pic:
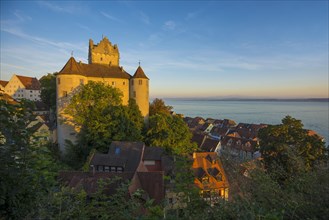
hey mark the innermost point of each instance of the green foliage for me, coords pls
(27, 171)
(48, 90)
(171, 133)
(70, 204)
(289, 148)
(158, 107)
(97, 108)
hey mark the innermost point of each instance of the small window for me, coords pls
(124, 83)
(30, 91)
(132, 82)
(113, 83)
(64, 93)
(59, 81)
(140, 82)
(119, 169)
(101, 58)
(113, 169)
(106, 168)
(31, 95)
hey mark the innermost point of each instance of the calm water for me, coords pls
(314, 115)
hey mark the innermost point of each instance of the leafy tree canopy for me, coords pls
(27, 171)
(289, 147)
(48, 90)
(171, 133)
(97, 108)
(158, 107)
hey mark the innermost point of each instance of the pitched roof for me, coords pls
(3, 83)
(93, 70)
(153, 153)
(108, 160)
(208, 164)
(209, 144)
(88, 181)
(140, 73)
(153, 184)
(7, 98)
(198, 139)
(131, 151)
(29, 82)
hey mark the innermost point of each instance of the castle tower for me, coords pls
(139, 90)
(103, 53)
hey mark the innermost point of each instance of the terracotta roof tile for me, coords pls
(140, 73)
(29, 82)
(93, 70)
(3, 83)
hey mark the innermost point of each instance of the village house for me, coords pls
(210, 177)
(145, 168)
(239, 148)
(22, 87)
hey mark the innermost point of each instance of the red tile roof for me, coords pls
(140, 73)
(3, 83)
(93, 70)
(29, 82)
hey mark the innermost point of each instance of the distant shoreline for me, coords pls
(253, 99)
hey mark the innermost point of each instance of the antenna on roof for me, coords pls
(139, 63)
(72, 53)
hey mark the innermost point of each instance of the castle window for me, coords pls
(140, 82)
(124, 83)
(132, 82)
(58, 81)
(113, 83)
(64, 93)
(101, 58)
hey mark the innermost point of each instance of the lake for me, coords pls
(314, 114)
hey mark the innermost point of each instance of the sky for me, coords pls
(203, 49)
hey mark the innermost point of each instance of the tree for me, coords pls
(287, 148)
(171, 133)
(48, 90)
(97, 109)
(27, 171)
(158, 107)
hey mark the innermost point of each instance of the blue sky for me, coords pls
(268, 49)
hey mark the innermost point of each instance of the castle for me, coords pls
(103, 66)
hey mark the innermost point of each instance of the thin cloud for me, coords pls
(21, 17)
(111, 17)
(169, 25)
(69, 7)
(144, 18)
(84, 27)
(192, 15)
(42, 41)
